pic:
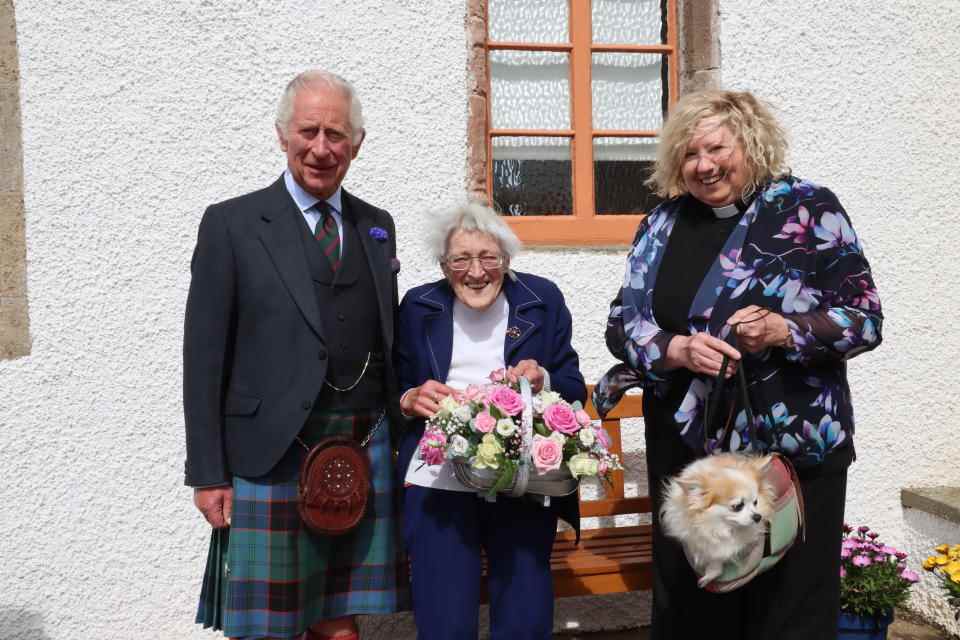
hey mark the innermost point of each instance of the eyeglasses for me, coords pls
(462, 263)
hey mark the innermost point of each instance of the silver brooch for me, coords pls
(513, 332)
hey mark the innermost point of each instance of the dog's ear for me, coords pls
(762, 464)
(698, 497)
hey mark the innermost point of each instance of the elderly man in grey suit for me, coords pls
(288, 334)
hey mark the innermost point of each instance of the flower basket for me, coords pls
(503, 439)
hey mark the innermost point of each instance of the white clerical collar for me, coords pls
(306, 200)
(726, 211)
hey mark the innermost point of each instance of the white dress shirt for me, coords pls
(305, 202)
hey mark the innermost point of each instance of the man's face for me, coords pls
(319, 140)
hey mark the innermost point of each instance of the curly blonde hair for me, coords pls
(749, 120)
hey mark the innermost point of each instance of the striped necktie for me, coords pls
(328, 235)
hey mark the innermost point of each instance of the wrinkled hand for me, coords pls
(758, 328)
(216, 505)
(530, 369)
(424, 401)
(702, 353)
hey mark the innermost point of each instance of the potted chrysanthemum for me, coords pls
(874, 579)
(946, 567)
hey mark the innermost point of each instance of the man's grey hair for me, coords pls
(469, 216)
(318, 77)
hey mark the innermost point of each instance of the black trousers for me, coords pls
(797, 599)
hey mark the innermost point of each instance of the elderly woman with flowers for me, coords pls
(747, 265)
(479, 318)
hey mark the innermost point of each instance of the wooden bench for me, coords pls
(608, 559)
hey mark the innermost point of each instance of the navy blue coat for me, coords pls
(536, 308)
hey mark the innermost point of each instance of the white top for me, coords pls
(478, 343)
(305, 202)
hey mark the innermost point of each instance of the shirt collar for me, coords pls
(306, 200)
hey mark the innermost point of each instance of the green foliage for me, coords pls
(874, 578)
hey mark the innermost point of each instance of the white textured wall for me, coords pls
(136, 115)
(870, 100)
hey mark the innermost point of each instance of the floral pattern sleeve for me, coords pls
(848, 318)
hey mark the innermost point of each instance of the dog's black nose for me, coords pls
(757, 517)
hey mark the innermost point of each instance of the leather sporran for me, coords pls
(334, 486)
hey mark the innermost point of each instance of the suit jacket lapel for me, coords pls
(378, 261)
(520, 298)
(280, 233)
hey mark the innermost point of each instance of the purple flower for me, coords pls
(861, 561)
(845, 553)
(847, 528)
(873, 535)
(843, 572)
(910, 576)
(900, 555)
(863, 529)
(379, 233)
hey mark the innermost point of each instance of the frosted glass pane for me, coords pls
(529, 90)
(528, 20)
(628, 91)
(532, 176)
(621, 165)
(627, 22)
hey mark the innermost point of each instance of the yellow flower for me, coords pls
(941, 548)
(487, 451)
(954, 551)
(941, 560)
(930, 563)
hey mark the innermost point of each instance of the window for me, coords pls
(567, 101)
(14, 333)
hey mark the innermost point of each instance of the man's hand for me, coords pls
(424, 401)
(529, 369)
(216, 505)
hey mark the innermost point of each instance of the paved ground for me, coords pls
(904, 628)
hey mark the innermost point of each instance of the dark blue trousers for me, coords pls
(444, 532)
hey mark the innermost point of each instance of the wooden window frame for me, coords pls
(692, 52)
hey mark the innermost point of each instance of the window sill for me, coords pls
(568, 231)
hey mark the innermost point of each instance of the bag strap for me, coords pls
(712, 403)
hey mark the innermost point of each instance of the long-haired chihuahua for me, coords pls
(718, 507)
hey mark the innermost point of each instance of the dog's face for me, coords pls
(729, 492)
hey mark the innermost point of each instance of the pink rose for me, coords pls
(507, 400)
(431, 447)
(498, 375)
(583, 418)
(603, 438)
(484, 422)
(473, 392)
(547, 453)
(560, 417)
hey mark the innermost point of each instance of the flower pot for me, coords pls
(854, 627)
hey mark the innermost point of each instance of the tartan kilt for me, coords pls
(268, 576)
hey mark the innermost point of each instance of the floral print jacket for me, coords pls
(794, 252)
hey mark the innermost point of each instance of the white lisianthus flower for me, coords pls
(459, 446)
(587, 438)
(506, 427)
(463, 414)
(448, 404)
(559, 437)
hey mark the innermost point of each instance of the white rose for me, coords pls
(463, 414)
(559, 437)
(587, 438)
(548, 398)
(506, 427)
(459, 446)
(448, 404)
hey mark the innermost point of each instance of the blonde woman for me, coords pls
(744, 260)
